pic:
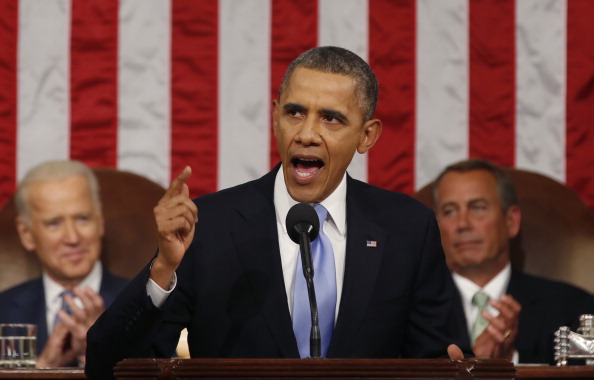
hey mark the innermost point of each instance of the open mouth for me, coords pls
(307, 167)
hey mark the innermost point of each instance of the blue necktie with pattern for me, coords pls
(64, 306)
(325, 288)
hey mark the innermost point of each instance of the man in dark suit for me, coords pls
(230, 277)
(478, 214)
(59, 218)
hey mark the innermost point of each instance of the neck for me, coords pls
(480, 276)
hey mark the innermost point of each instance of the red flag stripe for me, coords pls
(8, 102)
(580, 99)
(93, 86)
(294, 30)
(194, 90)
(392, 56)
(492, 80)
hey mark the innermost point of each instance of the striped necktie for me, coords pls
(64, 306)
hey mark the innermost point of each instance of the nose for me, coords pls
(309, 131)
(463, 221)
(71, 235)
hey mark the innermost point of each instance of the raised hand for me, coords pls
(176, 216)
(498, 339)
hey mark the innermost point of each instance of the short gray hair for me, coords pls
(505, 188)
(336, 60)
(53, 171)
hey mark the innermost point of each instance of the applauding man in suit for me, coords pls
(507, 314)
(227, 269)
(59, 218)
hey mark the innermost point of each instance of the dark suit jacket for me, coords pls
(546, 306)
(25, 303)
(396, 297)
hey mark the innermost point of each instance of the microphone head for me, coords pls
(302, 217)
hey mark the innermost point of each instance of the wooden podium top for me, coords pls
(313, 369)
(164, 369)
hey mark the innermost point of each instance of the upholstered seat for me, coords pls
(130, 231)
(556, 237)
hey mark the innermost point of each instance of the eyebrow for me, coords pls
(324, 111)
(447, 204)
(294, 107)
(470, 201)
(335, 114)
(479, 199)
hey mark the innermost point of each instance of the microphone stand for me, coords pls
(315, 345)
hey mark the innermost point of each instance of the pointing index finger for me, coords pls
(177, 185)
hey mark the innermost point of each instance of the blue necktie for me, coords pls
(325, 287)
(64, 306)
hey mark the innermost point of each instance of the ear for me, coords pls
(275, 115)
(25, 235)
(514, 218)
(101, 225)
(372, 130)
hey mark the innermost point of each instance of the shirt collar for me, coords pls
(494, 288)
(335, 203)
(53, 290)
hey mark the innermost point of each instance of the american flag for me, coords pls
(150, 86)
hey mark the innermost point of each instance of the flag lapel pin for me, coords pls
(371, 243)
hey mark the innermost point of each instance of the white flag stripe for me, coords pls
(344, 23)
(244, 91)
(144, 73)
(541, 84)
(442, 87)
(43, 110)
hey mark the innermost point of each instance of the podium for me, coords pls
(165, 369)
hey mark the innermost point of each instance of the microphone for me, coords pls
(303, 226)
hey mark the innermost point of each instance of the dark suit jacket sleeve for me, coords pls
(129, 328)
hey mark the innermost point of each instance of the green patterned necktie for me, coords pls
(480, 300)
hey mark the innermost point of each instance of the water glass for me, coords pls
(18, 344)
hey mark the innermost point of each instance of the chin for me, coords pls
(302, 194)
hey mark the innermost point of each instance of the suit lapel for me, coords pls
(460, 317)
(256, 239)
(362, 264)
(34, 305)
(516, 288)
(110, 286)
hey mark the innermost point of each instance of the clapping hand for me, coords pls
(68, 340)
(498, 339)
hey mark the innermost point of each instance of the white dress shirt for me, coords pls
(335, 229)
(495, 289)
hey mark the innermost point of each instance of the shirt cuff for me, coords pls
(516, 357)
(158, 294)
